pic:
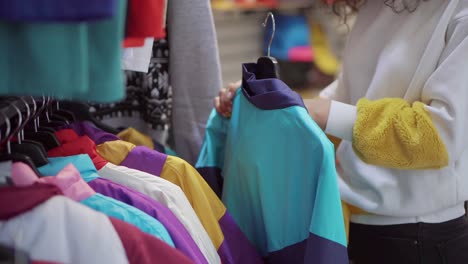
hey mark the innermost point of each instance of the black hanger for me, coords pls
(50, 120)
(67, 115)
(59, 118)
(7, 155)
(267, 66)
(41, 121)
(46, 129)
(82, 113)
(13, 256)
(35, 152)
(32, 149)
(45, 140)
(4, 125)
(52, 117)
(18, 157)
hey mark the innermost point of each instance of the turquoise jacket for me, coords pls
(277, 168)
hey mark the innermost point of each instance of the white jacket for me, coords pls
(63, 231)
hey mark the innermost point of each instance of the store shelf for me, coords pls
(239, 40)
(291, 6)
(233, 7)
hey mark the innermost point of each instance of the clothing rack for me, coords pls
(30, 108)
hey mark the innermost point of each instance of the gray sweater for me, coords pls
(195, 72)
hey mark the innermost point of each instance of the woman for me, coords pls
(399, 106)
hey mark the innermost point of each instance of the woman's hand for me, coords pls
(223, 102)
(319, 110)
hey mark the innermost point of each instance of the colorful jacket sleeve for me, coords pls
(232, 245)
(211, 158)
(329, 224)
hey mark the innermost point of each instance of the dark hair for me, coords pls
(344, 7)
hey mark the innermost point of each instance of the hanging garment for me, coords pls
(224, 233)
(133, 42)
(56, 10)
(24, 199)
(69, 180)
(130, 135)
(179, 234)
(76, 233)
(195, 73)
(69, 231)
(105, 48)
(116, 151)
(139, 139)
(232, 245)
(155, 86)
(182, 239)
(80, 145)
(169, 194)
(82, 59)
(135, 137)
(279, 174)
(148, 102)
(84, 128)
(142, 248)
(145, 19)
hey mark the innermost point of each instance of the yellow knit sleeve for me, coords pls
(392, 133)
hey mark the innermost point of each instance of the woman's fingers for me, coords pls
(223, 102)
(226, 100)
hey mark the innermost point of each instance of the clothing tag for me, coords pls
(127, 53)
(5, 171)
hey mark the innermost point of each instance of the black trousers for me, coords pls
(421, 243)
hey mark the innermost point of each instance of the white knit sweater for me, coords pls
(419, 56)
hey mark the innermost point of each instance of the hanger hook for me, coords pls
(18, 128)
(47, 109)
(28, 109)
(34, 107)
(7, 130)
(43, 103)
(28, 116)
(265, 23)
(36, 113)
(33, 100)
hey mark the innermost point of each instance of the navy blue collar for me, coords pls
(267, 94)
